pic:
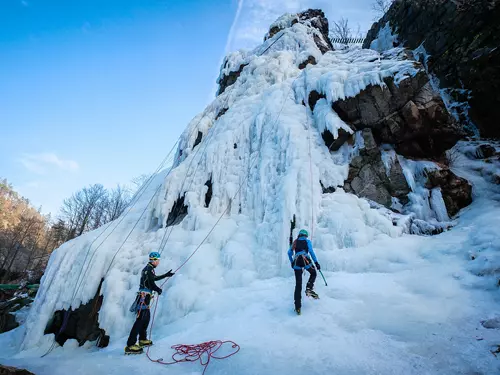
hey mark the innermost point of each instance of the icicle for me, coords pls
(438, 206)
(388, 158)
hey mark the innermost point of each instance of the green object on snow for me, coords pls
(16, 286)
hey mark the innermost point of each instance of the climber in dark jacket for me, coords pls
(141, 304)
(300, 254)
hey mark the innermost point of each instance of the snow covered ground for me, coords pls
(395, 303)
(406, 305)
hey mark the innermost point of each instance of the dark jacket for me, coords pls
(146, 286)
(148, 278)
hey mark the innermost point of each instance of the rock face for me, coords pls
(80, 324)
(7, 308)
(456, 191)
(369, 178)
(314, 18)
(310, 60)
(485, 151)
(7, 370)
(228, 80)
(410, 115)
(462, 39)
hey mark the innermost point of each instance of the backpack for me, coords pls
(301, 253)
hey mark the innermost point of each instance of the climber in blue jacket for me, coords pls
(300, 254)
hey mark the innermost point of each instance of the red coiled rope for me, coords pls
(203, 352)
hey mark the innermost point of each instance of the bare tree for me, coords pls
(341, 29)
(79, 211)
(140, 180)
(59, 232)
(27, 237)
(91, 208)
(118, 200)
(341, 32)
(380, 7)
(24, 240)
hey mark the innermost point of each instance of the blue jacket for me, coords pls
(293, 254)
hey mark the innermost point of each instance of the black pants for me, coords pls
(140, 328)
(298, 285)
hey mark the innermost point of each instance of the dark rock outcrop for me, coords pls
(230, 79)
(462, 39)
(310, 60)
(7, 322)
(493, 323)
(7, 308)
(409, 115)
(272, 32)
(327, 190)
(314, 96)
(178, 212)
(456, 191)
(421, 227)
(198, 139)
(368, 176)
(293, 223)
(485, 151)
(208, 195)
(7, 370)
(81, 324)
(221, 113)
(316, 18)
(332, 143)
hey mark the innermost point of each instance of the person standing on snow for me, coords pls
(141, 305)
(300, 253)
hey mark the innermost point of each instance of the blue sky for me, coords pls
(98, 91)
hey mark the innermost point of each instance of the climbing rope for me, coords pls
(201, 348)
(311, 182)
(167, 234)
(135, 199)
(193, 353)
(272, 44)
(310, 169)
(79, 282)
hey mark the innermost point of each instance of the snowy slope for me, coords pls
(394, 302)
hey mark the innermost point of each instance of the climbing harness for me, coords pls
(142, 301)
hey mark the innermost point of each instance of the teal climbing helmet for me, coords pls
(154, 255)
(303, 232)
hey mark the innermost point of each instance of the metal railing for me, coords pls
(348, 40)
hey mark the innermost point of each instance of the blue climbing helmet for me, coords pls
(154, 255)
(304, 233)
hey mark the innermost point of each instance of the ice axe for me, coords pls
(323, 277)
(314, 265)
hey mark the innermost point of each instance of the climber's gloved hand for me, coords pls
(159, 291)
(170, 273)
(317, 266)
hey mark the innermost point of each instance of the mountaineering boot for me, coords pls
(143, 343)
(297, 311)
(311, 293)
(133, 349)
